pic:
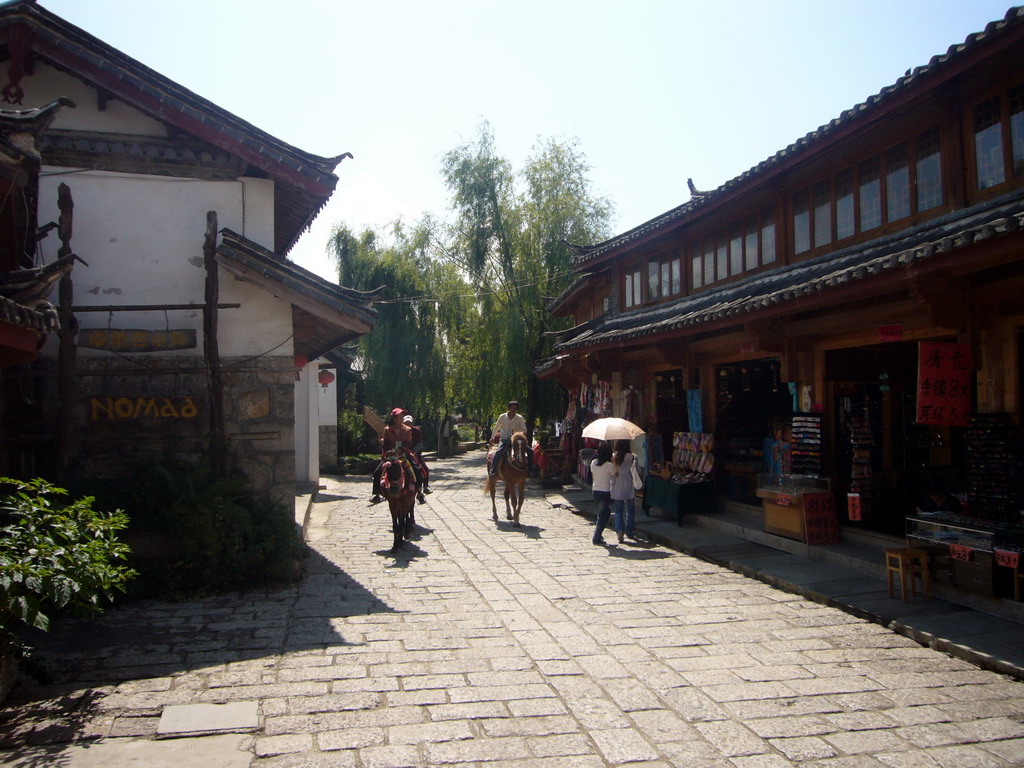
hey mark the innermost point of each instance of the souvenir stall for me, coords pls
(683, 484)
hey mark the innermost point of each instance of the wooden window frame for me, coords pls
(1013, 175)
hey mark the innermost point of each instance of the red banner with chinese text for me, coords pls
(943, 383)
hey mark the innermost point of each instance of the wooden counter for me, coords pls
(807, 517)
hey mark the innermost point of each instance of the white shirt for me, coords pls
(507, 427)
(602, 475)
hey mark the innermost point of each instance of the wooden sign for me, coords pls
(943, 383)
(1007, 558)
(890, 332)
(373, 420)
(136, 339)
(821, 526)
(960, 552)
(853, 509)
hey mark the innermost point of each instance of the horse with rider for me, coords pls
(510, 462)
(402, 476)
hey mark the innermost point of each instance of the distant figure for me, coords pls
(623, 493)
(602, 470)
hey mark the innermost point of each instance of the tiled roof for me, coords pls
(1013, 17)
(816, 276)
(339, 308)
(305, 181)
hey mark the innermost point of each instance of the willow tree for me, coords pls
(401, 359)
(512, 233)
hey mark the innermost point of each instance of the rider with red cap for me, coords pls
(399, 433)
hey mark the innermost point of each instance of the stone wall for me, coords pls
(158, 409)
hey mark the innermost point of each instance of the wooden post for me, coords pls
(67, 356)
(211, 351)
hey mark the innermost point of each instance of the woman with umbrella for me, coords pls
(623, 492)
(605, 471)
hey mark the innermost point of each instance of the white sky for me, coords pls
(656, 91)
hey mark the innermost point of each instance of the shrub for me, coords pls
(223, 538)
(54, 555)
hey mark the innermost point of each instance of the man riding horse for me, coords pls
(507, 425)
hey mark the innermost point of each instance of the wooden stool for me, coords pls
(908, 562)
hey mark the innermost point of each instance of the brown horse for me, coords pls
(398, 482)
(512, 471)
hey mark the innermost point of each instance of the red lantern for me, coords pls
(325, 378)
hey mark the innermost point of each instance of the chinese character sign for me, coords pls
(943, 384)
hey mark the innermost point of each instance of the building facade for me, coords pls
(850, 309)
(182, 323)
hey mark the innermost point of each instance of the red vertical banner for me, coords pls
(853, 506)
(821, 526)
(943, 383)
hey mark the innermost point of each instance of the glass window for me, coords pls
(929, 170)
(897, 183)
(653, 275)
(709, 264)
(666, 284)
(736, 253)
(697, 271)
(870, 195)
(801, 223)
(629, 289)
(750, 246)
(1017, 129)
(845, 226)
(822, 214)
(722, 260)
(988, 144)
(767, 239)
(677, 276)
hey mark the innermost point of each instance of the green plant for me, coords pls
(54, 554)
(224, 538)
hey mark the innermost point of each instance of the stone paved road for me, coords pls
(482, 644)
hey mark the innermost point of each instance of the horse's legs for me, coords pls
(397, 526)
(520, 495)
(509, 493)
(410, 520)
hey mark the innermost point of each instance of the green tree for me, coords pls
(401, 361)
(515, 243)
(464, 319)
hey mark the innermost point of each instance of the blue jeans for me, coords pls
(625, 514)
(604, 512)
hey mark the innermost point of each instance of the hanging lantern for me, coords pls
(325, 378)
(301, 361)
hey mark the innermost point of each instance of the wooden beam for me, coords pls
(946, 303)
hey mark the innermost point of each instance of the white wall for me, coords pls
(329, 401)
(307, 435)
(142, 240)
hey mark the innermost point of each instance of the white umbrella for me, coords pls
(611, 428)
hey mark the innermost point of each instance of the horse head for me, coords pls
(395, 475)
(517, 451)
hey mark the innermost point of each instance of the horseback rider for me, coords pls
(396, 435)
(507, 425)
(419, 466)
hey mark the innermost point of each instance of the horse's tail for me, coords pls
(490, 484)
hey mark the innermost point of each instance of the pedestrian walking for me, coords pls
(623, 492)
(602, 471)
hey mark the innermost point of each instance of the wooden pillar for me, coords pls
(211, 350)
(67, 356)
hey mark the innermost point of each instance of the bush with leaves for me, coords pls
(223, 537)
(55, 555)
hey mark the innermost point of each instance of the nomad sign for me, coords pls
(136, 340)
(142, 408)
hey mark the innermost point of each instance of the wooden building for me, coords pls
(818, 281)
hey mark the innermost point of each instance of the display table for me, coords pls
(679, 498)
(807, 516)
(979, 556)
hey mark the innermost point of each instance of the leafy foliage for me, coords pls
(465, 321)
(223, 537)
(55, 554)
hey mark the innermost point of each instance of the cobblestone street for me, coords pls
(484, 644)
